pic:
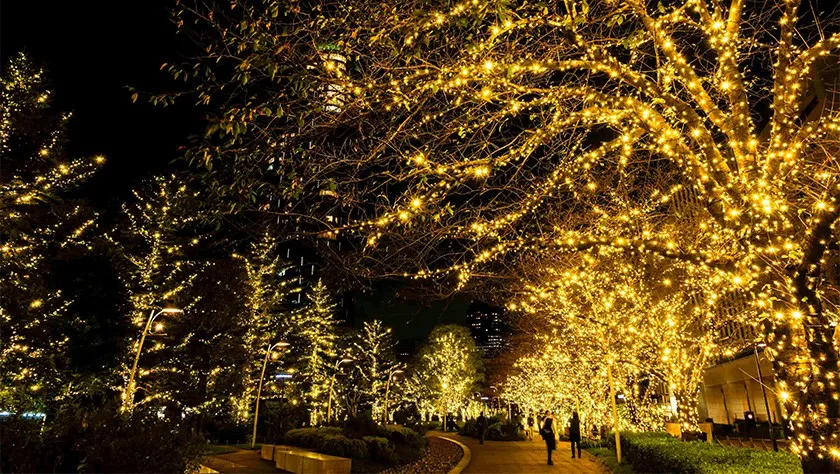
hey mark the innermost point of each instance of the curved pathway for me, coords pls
(523, 456)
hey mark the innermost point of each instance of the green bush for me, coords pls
(507, 431)
(394, 444)
(360, 426)
(380, 450)
(432, 426)
(469, 428)
(400, 435)
(99, 439)
(334, 445)
(660, 452)
(356, 449)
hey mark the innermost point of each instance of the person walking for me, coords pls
(530, 426)
(481, 425)
(574, 433)
(547, 433)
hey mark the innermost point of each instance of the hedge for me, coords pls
(660, 452)
(327, 441)
(393, 444)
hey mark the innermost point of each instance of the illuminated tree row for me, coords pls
(474, 133)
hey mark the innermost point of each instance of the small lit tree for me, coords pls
(316, 332)
(450, 367)
(34, 318)
(155, 270)
(373, 349)
(268, 320)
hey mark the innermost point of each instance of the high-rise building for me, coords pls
(487, 326)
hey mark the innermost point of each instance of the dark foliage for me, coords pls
(98, 440)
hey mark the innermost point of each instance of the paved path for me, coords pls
(524, 456)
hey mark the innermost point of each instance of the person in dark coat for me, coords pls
(481, 425)
(547, 433)
(574, 433)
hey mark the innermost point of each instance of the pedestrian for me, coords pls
(481, 425)
(547, 433)
(530, 426)
(594, 431)
(574, 433)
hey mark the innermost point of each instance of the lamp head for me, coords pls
(169, 309)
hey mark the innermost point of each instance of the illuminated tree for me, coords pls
(450, 367)
(34, 225)
(373, 349)
(268, 316)
(317, 341)
(155, 270)
(466, 129)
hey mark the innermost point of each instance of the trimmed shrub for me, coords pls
(327, 440)
(419, 429)
(394, 444)
(432, 426)
(356, 449)
(360, 426)
(660, 452)
(334, 445)
(402, 435)
(380, 449)
(469, 428)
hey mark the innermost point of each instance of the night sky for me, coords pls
(92, 50)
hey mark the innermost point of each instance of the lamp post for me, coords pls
(270, 348)
(764, 394)
(128, 396)
(387, 386)
(346, 360)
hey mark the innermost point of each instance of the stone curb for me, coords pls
(465, 460)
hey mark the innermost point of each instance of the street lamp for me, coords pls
(270, 348)
(128, 396)
(387, 386)
(764, 394)
(346, 360)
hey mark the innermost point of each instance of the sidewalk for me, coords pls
(524, 456)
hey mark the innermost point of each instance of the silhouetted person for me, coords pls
(574, 433)
(481, 425)
(547, 433)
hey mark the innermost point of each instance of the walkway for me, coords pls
(524, 456)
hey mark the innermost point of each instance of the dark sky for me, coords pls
(92, 50)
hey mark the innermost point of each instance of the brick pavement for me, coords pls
(524, 456)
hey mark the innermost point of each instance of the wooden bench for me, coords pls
(302, 461)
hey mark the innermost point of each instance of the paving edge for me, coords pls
(465, 459)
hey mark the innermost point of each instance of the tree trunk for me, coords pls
(687, 415)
